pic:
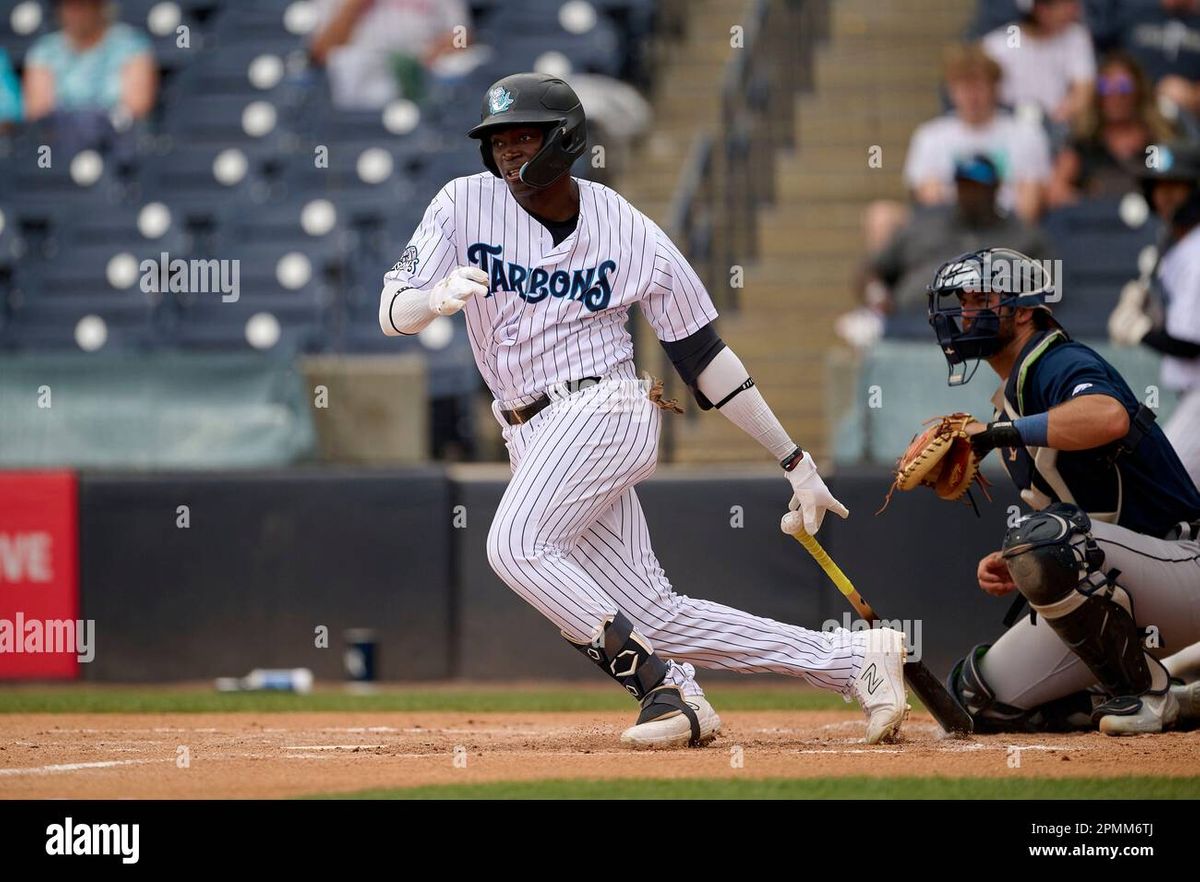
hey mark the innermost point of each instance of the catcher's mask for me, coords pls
(541, 100)
(1019, 280)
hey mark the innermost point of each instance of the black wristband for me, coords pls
(789, 461)
(1001, 433)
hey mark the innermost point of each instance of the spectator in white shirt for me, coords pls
(1047, 59)
(1019, 149)
(371, 47)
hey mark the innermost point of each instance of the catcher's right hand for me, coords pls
(452, 293)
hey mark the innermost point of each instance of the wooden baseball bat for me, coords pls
(951, 716)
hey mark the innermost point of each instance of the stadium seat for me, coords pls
(185, 178)
(273, 280)
(17, 42)
(1099, 254)
(209, 119)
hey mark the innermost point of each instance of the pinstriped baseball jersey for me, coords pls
(552, 313)
(569, 535)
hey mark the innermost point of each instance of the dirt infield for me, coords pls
(247, 755)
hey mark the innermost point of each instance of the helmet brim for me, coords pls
(518, 118)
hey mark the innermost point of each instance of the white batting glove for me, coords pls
(1129, 323)
(452, 293)
(810, 498)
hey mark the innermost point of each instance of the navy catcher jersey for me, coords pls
(1147, 488)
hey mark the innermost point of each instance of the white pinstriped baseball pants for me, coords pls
(571, 539)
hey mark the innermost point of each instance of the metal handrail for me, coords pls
(729, 176)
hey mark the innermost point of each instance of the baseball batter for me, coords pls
(1108, 559)
(1172, 187)
(544, 267)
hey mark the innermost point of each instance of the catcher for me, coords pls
(1109, 558)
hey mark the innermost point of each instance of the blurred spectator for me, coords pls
(895, 279)
(92, 64)
(10, 94)
(1019, 149)
(1121, 120)
(91, 79)
(378, 50)
(1047, 59)
(1164, 37)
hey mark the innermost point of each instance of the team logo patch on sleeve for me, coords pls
(1080, 388)
(408, 260)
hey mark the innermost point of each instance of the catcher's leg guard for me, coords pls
(967, 685)
(627, 657)
(1057, 566)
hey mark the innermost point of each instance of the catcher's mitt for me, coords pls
(941, 457)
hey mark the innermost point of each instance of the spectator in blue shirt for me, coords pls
(92, 64)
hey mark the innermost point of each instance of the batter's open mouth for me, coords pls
(513, 174)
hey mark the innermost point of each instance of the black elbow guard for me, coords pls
(691, 355)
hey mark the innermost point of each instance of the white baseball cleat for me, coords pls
(664, 723)
(1188, 697)
(1138, 715)
(879, 686)
(675, 714)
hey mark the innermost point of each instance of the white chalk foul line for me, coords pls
(77, 767)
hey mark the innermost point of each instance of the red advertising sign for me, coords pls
(40, 632)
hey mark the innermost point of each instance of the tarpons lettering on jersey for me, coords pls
(589, 285)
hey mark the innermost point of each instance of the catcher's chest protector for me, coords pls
(1036, 471)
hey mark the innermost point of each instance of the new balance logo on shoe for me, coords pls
(872, 679)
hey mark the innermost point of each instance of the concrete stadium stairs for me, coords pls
(875, 79)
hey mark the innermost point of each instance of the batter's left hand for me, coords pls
(810, 496)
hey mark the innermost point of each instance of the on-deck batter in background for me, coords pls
(544, 267)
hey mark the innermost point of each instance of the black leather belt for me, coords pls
(526, 413)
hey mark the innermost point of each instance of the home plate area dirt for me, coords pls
(255, 755)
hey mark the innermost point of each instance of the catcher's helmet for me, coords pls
(1176, 161)
(535, 99)
(1020, 281)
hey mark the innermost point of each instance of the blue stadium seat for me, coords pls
(209, 119)
(360, 200)
(115, 228)
(1099, 254)
(183, 178)
(284, 222)
(49, 297)
(593, 52)
(207, 320)
(36, 192)
(251, 22)
(18, 44)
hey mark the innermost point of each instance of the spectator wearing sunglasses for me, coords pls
(1164, 37)
(1047, 59)
(1119, 122)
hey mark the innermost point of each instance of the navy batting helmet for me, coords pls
(1177, 161)
(541, 100)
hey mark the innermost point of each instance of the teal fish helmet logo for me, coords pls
(499, 100)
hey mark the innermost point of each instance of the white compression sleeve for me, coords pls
(403, 311)
(747, 410)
